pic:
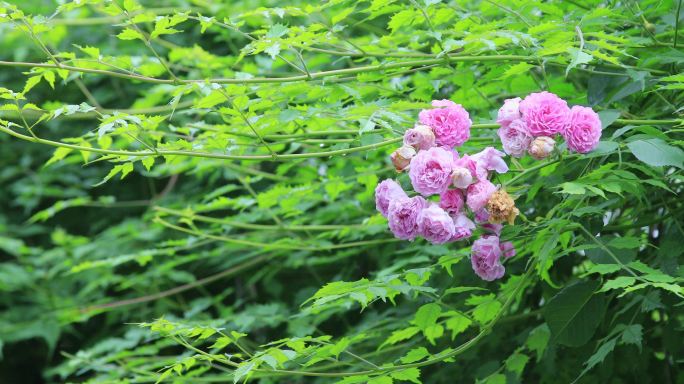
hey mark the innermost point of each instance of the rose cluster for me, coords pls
(461, 182)
(531, 125)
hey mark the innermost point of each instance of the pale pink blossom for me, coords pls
(430, 171)
(485, 258)
(507, 249)
(403, 216)
(464, 227)
(509, 112)
(541, 147)
(387, 191)
(420, 137)
(489, 159)
(478, 194)
(401, 158)
(515, 138)
(435, 225)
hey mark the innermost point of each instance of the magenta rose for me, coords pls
(584, 132)
(430, 171)
(435, 225)
(545, 114)
(420, 137)
(387, 191)
(449, 121)
(489, 159)
(478, 194)
(509, 112)
(515, 138)
(452, 201)
(403, 216)
(484, 257)
(463, 226)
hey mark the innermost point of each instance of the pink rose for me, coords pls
(430, 171)
(452, 201)
(584, 132)
(465, 172)
(436, 225)
(492, 228)
(507, 249)
(489, 159)
(420, 137)
(461, 177)
(478, 194)
(484, 257)
(387, 191)
(464, 227)
(515, 138)
(401, 158)
(450, 122)
(541, 147)
(403, 216)
(509, 112)
(545, 114)
(481, 216)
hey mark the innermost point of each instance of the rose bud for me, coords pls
(461, 177)
(420, 137)
(501, 207)
(541, 147)
(401, 158)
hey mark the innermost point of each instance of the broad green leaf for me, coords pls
(657, 153)
(574, 313)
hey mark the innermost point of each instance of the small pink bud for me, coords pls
(420, 137)
(401, 158)
(541, 147)
(461, 177)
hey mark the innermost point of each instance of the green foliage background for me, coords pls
(188, 193)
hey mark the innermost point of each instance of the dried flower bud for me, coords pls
(420, 137)
(461, 177)
(541, 147)
(501, 207)
(401, 158)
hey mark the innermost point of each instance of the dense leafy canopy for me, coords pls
(188, 193)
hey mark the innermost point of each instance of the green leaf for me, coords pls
(457, 324)
(618, 282)
(624, 242)
(243, 370)
(59, 154)
(657, 153)
(497, 378)
(129, 34)
(633, 334)
(574, 313)
(416, 354)
(427, 316)
(608, 117)
(410, 374)
(578, 58)
(598, 356)
(516, 363)
(487, 311)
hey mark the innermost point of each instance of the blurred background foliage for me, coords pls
(247, 211)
